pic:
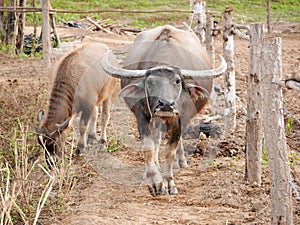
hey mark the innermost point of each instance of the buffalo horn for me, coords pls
(119, 72)
(124, 73)
(204, 74)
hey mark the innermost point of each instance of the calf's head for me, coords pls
(50, 137)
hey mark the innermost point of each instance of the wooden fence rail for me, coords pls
(33, 9)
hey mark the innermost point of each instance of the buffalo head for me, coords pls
(162, 86)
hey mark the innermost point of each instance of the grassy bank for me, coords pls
(244, 11)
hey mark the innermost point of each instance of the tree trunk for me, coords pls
(254, 94)
(274, 132)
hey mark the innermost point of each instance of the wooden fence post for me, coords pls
(268, 17)
(21, 25)
(46, 33)
(11, 28)
(2, 30)
(198, 6)
(254, 100)
(229, 76)
(274, 133)
(209, 38)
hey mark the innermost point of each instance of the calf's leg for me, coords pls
(105, 116)
(83, 125)
(92, 126)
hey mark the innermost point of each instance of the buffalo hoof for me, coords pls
(77, 152)
(156, 191)
(103, 143)
(183, 163)
(91, 138)
(79, 148)
(173, 191)
(176, 164)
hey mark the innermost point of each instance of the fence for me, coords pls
(259, 108)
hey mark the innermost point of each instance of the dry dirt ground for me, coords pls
(212, 189)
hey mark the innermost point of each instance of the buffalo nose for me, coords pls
(165, 105)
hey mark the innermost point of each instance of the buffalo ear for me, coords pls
(135, 90)
(197, 92)
(40, 116)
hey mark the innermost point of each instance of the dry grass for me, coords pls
(27, 184)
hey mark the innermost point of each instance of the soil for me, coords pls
(212, 189)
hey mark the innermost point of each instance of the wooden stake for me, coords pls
(199, 16)
(46, 33)
(209, 39)
(254, 100)
(274, 132)
(229, 78)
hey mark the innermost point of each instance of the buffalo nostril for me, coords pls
(160, 103)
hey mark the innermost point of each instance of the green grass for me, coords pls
(244, 11)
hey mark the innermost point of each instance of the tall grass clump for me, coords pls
(27, 183)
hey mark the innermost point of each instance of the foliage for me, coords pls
(114, 143)
(289, 125)
(244, 11)
(264, 159)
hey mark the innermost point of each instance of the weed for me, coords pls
(289, 125)
(292, 157)
(264, 159)
(114, 143)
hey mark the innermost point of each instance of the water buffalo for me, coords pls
(80, 85)
(166, 80)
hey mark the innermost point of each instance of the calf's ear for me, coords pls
(135, 90)
(197, 92)
(40, 116)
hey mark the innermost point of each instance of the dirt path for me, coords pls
(211, 189)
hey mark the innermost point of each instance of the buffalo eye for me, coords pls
(178, 81)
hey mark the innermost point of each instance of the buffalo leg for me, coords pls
(155, 181)
(170, 151)
(156, 137)
(180, 160)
